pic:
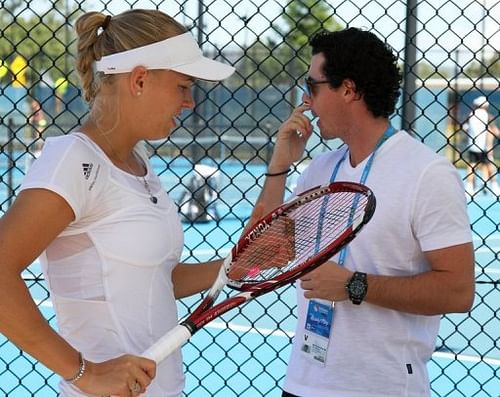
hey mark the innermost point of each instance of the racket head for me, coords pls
(299, 236)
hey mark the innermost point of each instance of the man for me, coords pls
(411, 263)
(481, 132)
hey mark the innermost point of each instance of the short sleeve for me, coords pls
(439, 216)
(65, 167)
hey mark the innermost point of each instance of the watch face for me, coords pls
(357, 288)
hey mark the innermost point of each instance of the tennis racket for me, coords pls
(292, 240)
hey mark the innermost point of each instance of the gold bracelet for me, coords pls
(277, 173)
(81, 369)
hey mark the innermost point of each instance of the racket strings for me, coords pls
(298, 236)
(328, 223)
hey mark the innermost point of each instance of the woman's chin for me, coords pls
(169, 128)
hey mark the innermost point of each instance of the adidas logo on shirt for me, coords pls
(87, 169)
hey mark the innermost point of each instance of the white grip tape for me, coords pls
(167, 344)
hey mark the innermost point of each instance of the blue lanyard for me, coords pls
(390, 131)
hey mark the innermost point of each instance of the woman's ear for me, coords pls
(137, 80)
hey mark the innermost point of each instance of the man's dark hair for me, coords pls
(362, 57)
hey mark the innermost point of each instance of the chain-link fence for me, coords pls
(213, 163)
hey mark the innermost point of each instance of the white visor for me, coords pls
(179, 53)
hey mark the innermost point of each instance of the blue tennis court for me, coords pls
(259, 335)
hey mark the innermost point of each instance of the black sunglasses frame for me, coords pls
(309, 84)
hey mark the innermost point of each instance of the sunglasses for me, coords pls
(310, 83)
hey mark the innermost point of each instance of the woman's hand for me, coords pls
(124, 376)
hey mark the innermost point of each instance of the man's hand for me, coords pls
(326, 282)
(291, 140)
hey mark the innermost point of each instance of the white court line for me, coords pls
(477, 269)
(486, 239)
(489, 250)
(291, 334)
(45, 303)
(486, 245)
(487, 271)
(206, 251)
(252, 330)
(225, 251)
(468, 358)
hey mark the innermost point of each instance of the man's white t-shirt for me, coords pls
(109, 271)
(478, 130)
(421, 207)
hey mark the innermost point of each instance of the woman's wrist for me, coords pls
(82, 368)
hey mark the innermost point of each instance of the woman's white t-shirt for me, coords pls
(109, 271)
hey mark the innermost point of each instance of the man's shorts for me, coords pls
(477, 157)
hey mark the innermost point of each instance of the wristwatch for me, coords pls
(356, 287)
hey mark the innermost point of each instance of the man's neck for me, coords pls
(364, 141)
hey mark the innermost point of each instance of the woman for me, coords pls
(109, 237)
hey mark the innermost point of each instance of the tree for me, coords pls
(490, 68)
(282, 58)
(44, 41)
(426, 70)
(299, 22)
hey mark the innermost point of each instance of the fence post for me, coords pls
(409, 76)
(198, 122)
(10, 161)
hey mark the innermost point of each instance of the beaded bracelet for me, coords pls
(277, 173)
(81, 370)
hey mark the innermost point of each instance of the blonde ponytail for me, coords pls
(87, 28)
(98, 35)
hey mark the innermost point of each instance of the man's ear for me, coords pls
(137, 80)
(350, 91)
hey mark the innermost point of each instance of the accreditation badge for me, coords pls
(317, 331)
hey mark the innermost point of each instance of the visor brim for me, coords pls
(205, 69)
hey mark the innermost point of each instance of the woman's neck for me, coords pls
(113, 143)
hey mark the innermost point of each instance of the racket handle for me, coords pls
(167, 344)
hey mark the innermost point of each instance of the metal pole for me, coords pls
(410, 72)
(483, 69)
(250, 81)
(66, 39)
(196, 154)
(10, 161)
(200, 23)
(452, 128)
